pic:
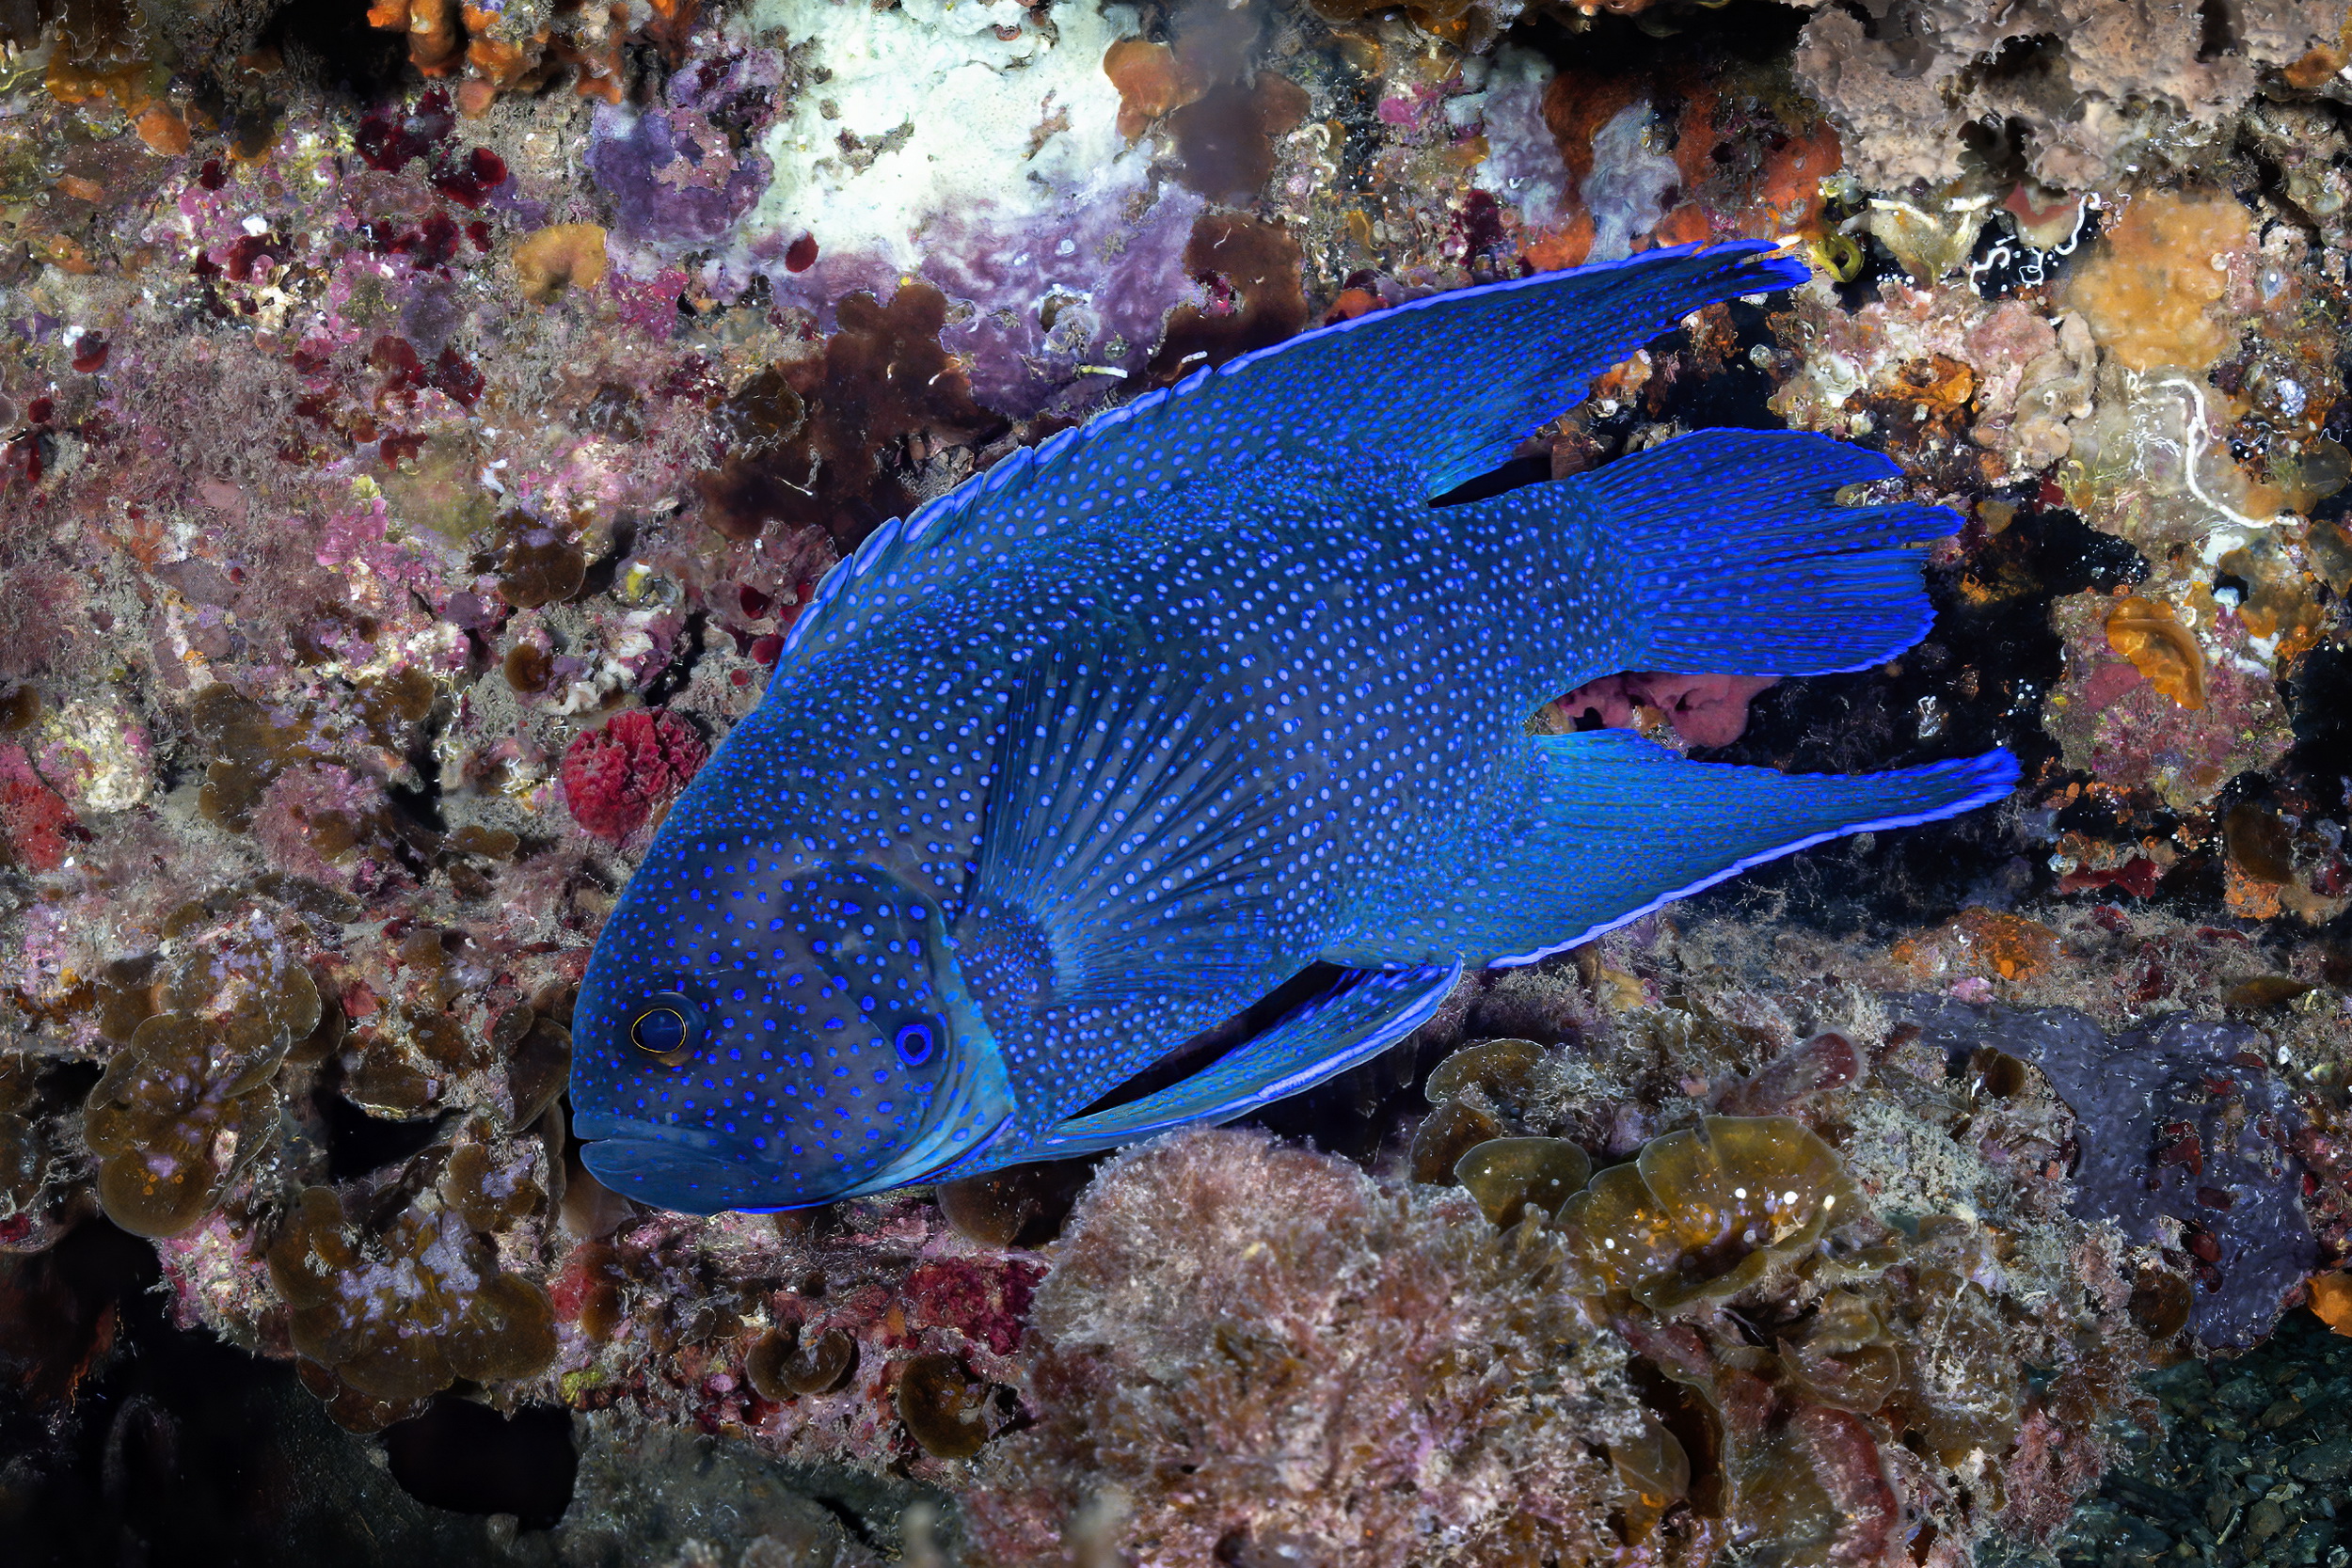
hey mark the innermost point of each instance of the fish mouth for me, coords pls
(698, 1172)
(655, 1166)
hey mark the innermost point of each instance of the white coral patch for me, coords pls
(97, 756)
(929, 109)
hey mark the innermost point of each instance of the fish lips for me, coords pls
(695, 1171)
(685, 1169)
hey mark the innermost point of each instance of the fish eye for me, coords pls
(664, 1028)
(914, 1043)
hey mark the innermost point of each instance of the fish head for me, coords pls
(756, 1032)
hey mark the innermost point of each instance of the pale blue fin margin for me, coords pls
(1364, 1013)
(1609, 827)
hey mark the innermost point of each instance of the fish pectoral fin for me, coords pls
(1362, 1014)
(1125, 838)
(1605, 827)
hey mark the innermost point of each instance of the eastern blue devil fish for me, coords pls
(1089, 756)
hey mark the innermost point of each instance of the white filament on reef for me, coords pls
(2034, 266)
(2199, 434)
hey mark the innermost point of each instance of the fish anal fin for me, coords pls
(1604, 826)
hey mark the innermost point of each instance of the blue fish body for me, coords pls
(1098, 750)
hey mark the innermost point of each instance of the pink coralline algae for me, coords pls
(615, 777)
(989, 1306)
(1705, 710)
(34, 820)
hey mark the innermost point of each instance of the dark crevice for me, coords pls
(693, 641)
(2217, 31)
(850, 1520)
(2036, 56)
(1861, 13)
(1644, 42)
(335, 49)
(2272, 189)
(359, 1143)
(137, 1442)
(420, 802)
(2318, 693)
(601, 572)
(467, 1458)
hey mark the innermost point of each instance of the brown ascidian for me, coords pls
(1703, 1214)
(1867, 1381)
(385, 1317)
(306, 780)
(190, 1100)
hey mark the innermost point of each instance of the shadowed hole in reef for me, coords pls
(124, 1440)
(357, 1143)
(2319, 695)
(1977, 680)
(2217, 31)
(335, 48)
(468, 1459)
(1613, 44)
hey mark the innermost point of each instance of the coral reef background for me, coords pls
(419, 423)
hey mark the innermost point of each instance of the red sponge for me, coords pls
(34, 821)
(614, 777)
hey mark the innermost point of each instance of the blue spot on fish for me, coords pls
(1193, 697)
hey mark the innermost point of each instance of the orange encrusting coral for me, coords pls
(2146, 289)
(559, 258)
(2147, 633)
(1982, 942)
(445, 36)
(2331, 1300)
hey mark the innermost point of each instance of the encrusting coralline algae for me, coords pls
(424, 424)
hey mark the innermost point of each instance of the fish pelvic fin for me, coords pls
(1604, 826)
(1362, 1014)
(1735, 541)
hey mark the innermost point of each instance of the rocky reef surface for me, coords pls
(419, 423)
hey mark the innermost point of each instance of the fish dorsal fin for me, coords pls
(1363, 1013)
(1451, 383)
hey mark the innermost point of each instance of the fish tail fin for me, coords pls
(1736, 542)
